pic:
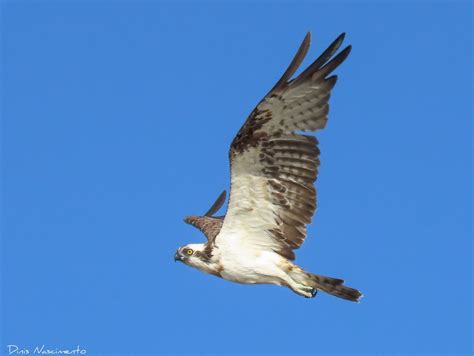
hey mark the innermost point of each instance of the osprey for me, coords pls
(272, 195)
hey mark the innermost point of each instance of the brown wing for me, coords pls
(208, 224)
(273, 166)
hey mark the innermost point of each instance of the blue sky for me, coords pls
(116, 122)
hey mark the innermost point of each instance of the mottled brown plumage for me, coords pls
(208, 225)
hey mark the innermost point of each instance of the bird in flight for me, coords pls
(272, 196)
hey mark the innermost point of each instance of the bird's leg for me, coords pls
(305, 291)
(298, 288)
(295, 284)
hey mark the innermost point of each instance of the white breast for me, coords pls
(243, 263)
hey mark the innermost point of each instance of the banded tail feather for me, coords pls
(330, 285)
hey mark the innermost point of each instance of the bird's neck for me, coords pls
(209, 261)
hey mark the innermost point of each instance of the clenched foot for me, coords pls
(305, 291)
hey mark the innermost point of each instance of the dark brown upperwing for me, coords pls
(209, 226)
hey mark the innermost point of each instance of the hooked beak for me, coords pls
(177, 257)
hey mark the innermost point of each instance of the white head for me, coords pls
(194, 255)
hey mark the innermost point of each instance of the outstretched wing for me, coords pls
(273, 166)
(209, 225)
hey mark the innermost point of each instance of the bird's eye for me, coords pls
(189, 252)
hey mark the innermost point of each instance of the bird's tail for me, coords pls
(333, 286)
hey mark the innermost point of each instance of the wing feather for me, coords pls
(273, 166)
(295, 63)
(209, 225)
(217, 204)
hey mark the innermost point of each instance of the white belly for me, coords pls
(246, 250)
(251, 267)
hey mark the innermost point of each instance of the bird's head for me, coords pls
(194, 255)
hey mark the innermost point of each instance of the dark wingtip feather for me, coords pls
(332, 64)
(340, 38)
(295, 63)
(331, 81)
(307, 37)
(321, 61)
(334, 46)
(348, 49)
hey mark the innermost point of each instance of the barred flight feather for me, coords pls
(283, 162)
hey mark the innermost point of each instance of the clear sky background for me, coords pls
(117, 118)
